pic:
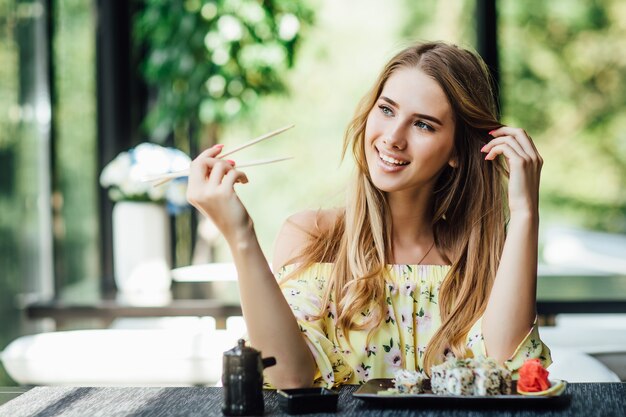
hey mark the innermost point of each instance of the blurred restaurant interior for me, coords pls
(84, 83)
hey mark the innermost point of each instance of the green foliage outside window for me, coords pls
(564, 79)
(210, 60)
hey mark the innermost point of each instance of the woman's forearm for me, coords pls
(271, 325)
(511, 308)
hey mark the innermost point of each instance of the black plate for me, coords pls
(308, 400)
(369, 392)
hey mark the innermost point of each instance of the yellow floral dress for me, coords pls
(412, 317)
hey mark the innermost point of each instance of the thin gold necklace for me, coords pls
(427, 252)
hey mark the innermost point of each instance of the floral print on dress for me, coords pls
(363, 373)
(410, 319)
(424, 321)
(408, 288)
(371, 350)
(405, 314)
(393, 356)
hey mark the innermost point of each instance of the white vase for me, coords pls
(141, 250)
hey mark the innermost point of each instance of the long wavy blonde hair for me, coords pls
(469, 204)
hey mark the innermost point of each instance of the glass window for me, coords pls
(76, 227)
(25, 238)
(36, 142)
(564, 80)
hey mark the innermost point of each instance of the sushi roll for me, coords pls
(480, 376)
(491, 378)
(409, 382)
(460, 381)
(438, 377)
(505, 381)
(486, 377)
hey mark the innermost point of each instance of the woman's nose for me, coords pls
(395, 139)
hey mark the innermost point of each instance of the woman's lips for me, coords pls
(390, 164)
(391, 160)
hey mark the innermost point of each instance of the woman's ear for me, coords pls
(453, 162)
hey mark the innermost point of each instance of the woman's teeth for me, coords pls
(390, 160)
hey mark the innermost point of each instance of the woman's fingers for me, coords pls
(211, 152)
(508, 140)
(525, 166)
(199, 171)
(208, 172)
(200, 174)
(218, 170)
(504, 149)
(204, 163)
(233, 176)
(201, 166)
(521, 137)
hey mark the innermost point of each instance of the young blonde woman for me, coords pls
(434, 253)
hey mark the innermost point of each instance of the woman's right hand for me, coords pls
(270, 322)
(211, 191)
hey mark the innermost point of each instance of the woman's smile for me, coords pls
(391, 163)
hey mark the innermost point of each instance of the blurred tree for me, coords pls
(10, 115)
(209, 60)
(447, 20)
(564, 79)
(75, 220)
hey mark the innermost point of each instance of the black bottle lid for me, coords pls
(242, 356)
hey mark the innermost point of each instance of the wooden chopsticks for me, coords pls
(256, 140)
(163, 178)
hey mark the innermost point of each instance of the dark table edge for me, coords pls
(111, 309)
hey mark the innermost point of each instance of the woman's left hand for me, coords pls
(524, 167)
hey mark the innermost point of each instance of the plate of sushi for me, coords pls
(471, 381)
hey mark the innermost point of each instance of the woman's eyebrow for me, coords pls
(420, 115)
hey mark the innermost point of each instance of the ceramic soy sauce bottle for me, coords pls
(242, 379)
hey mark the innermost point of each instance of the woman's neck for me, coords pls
(411, 215)
(412, 232)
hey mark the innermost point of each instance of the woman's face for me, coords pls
(409, 135)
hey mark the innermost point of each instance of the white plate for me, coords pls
(213, 272)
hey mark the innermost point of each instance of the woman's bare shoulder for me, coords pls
(314, 221)
(297, 232)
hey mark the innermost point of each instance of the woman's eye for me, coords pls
(424, 126)
(386, 110)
